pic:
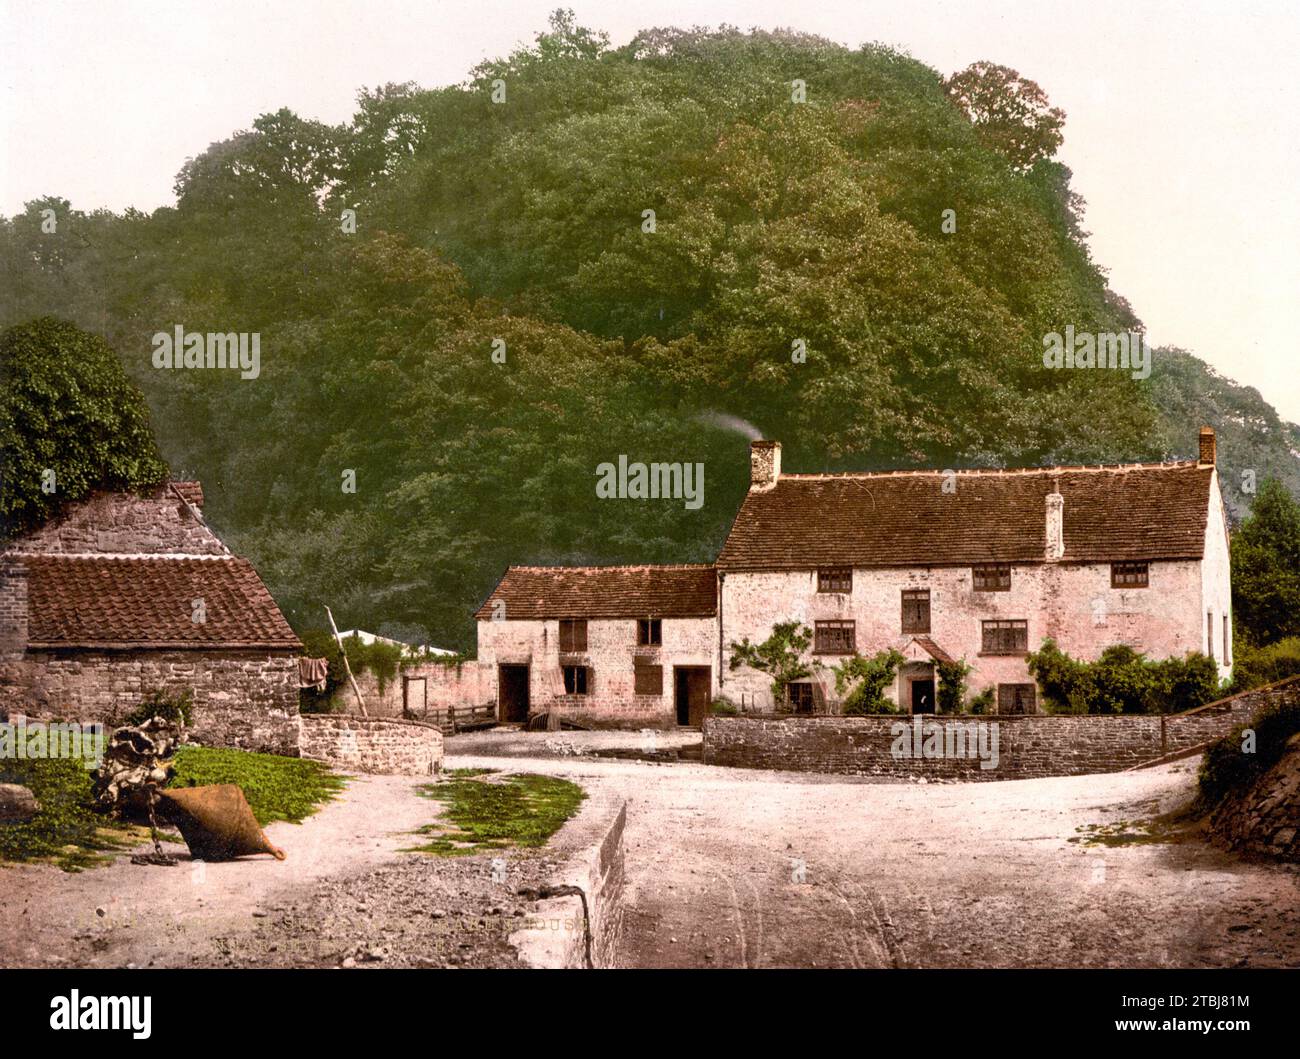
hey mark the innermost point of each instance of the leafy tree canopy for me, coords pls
(71, 422)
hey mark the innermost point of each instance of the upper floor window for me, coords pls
(916, 610)
(649, 632)
(573, 635)
(1005, 637)
(835, 579)
(833, 637)
(992, 577)
(1209, 633)
(1128, 575)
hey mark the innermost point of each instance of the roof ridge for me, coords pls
(621, 566)
(119, 555)
(1168, 465)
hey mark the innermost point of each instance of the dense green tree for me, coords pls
(70, 423)
(1266, 568)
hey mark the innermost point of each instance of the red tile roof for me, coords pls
(605, 592)
(103, 601)
(1144, 511)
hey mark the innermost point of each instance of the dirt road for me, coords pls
(738, 868)
(725, 868)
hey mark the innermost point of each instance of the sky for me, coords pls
(1181, 121)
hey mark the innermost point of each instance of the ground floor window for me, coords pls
(799, 696)
(1017, 698)
(576, 679)
(648, 680)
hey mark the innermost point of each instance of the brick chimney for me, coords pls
(1207, 456)
(764, 465)
(1055, 523)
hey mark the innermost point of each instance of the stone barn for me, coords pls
(126, 595)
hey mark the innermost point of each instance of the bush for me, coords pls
(868, 677)
(983, 702)
(176, 708)
(382, 659)
(952, 685)
(723, 708)
(1265, 665)
(780, 656)
(1227, 767)
(1122, 680)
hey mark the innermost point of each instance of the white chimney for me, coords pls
(764, 465)
(1055, 523)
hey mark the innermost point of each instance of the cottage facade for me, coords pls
(614, 645)
(978, 566)
(125, 595)
(973, 566)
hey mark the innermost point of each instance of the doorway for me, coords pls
(923, 696)
(512, 693)
(691, 686)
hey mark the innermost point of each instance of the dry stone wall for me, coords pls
(382, 745)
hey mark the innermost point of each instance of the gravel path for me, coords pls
(127, 914)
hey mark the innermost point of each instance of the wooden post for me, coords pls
(339, 639)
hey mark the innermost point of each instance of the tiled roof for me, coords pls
(1143, 511)
(932, 649)
(605, 592)
(103, 601)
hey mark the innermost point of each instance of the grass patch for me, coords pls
(1175, 826)
(68, 831)
(277, 788)
(486, 814)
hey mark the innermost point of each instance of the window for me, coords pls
(1209, 633)
(1006, 637)
(835, 579)
(992, 577)
(575, 680)
(799, 695)
(649, 632)
(1017, 698)
(573, 635)
(833, 638)
(916, 610)
(648, 680)
(1128, 575)
(1227, 642)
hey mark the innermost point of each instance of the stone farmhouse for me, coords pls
(979, 565)
(126, 595)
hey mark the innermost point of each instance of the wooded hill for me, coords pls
(524, 221)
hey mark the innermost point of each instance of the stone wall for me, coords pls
(242, 698)
(126, 524)
(444, 686)
(1026, 745)
(383, 745)
(1264, 818)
